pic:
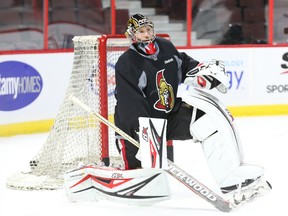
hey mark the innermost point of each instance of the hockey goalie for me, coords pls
(148, 76)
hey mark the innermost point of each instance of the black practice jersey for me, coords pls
(146, 86)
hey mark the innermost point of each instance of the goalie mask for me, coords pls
(134, 24)
(140, 31)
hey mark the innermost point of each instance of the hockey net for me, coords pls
(76, 136)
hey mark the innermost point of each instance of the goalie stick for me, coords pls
(186, 179)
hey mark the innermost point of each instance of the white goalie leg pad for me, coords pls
(203, 128)
(220, 140)
(138, 187)
(153, 149)
(217, 133)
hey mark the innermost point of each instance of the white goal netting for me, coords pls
(76, 136)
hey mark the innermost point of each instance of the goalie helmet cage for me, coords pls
(76, 136)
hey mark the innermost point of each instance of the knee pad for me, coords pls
(202, 128)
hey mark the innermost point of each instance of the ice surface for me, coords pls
(265, 142)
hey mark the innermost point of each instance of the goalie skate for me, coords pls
(247, 191)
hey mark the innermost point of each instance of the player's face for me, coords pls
(145, 34)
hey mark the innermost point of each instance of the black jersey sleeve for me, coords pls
(188, 63)
(131, 101)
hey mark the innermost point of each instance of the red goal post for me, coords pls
(76, 136)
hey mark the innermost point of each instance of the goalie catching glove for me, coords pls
(209, 76)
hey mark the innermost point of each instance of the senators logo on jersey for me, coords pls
(165, 92)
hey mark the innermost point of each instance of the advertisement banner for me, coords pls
(32, 86)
